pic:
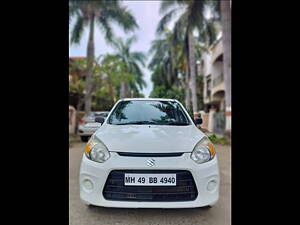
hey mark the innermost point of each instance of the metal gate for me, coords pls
(219, 122)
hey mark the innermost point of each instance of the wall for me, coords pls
(205, 117)
(72, 120)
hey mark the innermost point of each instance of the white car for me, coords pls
(87, 125)
(148, 153)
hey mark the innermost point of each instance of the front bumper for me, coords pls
(97, 174)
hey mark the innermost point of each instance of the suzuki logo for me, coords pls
(150, 162)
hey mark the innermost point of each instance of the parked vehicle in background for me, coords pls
(87, 125)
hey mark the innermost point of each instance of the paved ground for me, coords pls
(80, 214)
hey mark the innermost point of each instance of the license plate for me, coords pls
(134, 179)
(93, 125)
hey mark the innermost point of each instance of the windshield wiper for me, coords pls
(177, 123)
(137, 123)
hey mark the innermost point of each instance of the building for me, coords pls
(211, 66)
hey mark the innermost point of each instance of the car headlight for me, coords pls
(203, 151)
(95, 150)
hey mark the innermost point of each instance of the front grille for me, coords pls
(185, 189)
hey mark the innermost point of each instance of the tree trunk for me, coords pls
(79, 105)
(127, 91)
(191, 46)
(123, 90)
(187, 90)
(226, 30)
(111, 90)
(90, 63)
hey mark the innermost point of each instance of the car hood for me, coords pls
(149, 138)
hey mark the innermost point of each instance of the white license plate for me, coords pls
(93, 125)
(134, 179)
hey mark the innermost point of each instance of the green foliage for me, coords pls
(101, 100)
(114, 68)
(77, 84)
(219, 140)
(170, 52)
(132, 61)
(97, 14)
(163, 92)
(77, 87)
(103, 13)
(190, 18)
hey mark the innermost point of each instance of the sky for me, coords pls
(147, 16)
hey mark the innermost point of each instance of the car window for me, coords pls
(101, 114)
(148, 112)
(91, 114)
(104, 114)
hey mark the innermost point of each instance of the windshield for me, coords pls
(149, 112)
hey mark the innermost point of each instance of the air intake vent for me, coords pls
(134, 154)
(185, 190)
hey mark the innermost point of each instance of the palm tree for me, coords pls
(163, 61)
(100, 13)
(133, 60)
(191, 18)
(183, 63)
(226, 30)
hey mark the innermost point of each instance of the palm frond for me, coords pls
(165, 20)
(139, 57)
(122, 16)
(166, 5)
(117, 44)
(195, 11)
(77, 30)
(105, 28)
(130, 41)
(139, 76)
(72, 10)
(180, 28)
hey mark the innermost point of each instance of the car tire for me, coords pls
(84, 138)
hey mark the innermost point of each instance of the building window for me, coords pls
(208, 87)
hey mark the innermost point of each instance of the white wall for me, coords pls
(217, 69)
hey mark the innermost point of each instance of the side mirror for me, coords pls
(99, 119)
(198, 121)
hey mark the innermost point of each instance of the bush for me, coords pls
(219, 140)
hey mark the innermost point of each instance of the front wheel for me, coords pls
(84, 138)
